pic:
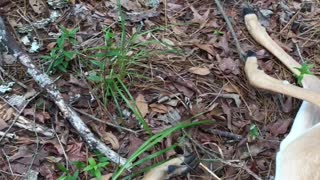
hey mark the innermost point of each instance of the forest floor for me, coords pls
(138, 70)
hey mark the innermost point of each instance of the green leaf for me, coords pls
(75, 175)
(62, 168)
(304, 69)
(92, 161)
(60, 42)
(79, 165)
(95, 78)
(218, 33)
(102, 164)
(97, 63)
(62, 178)
(253, 132)
(62, 68)
(88, 168)
(69, 54)
(97, 174)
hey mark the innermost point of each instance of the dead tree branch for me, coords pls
(47, 84)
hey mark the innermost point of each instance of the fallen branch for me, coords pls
(47, 84)
(230, 27)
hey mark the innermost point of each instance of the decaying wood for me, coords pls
(47, 84)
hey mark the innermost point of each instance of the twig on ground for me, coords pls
(299, 52)
(8, 135)
(209, 171)
(20, 111)
(35, 154)
(46, 83)
(104, 122)
(230, 27)
(7, 158)
(59, 141)
(13, 79)
(239, 165)
(225, 134)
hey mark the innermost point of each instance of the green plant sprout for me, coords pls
(304, 70)
(67, 175)
(59, 56)
(253, 132)
(94, 168)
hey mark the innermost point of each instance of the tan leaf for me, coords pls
(160, 108)
(206, 47)
(112, 139)
(104, 177)
(199, 71)
(51, 45)
(8, 115)
(230, 88)
(167, 41)
(37, 6)
(142, 105)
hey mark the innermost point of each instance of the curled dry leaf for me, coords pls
(112, 139)
(142, 105)
(160, 108)
(8, 114)
(199, 71)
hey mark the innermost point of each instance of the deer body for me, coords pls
(299, 154)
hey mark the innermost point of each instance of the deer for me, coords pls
(298, 157)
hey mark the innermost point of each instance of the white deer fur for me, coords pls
(299, 154)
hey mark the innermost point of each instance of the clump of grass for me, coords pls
(94, 167)
(150, 143)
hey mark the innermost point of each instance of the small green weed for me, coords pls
(218, 33)
(304, 70)
(60, 56)
(68, 174)
(253, 132)
(94, 168)
(112, 64)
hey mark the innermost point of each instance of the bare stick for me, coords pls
(47, 84)
(230, 27)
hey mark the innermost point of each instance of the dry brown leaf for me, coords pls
(104, 177)
(160, 108)
(37, 6)
(167, 41)
(51, 45)
(8, 115)
(229, 65)
(197, 18)
(223, 43)
(3, 124)
(206, 47)
(230, 88)
(112, 139)
(199, 71)
(142, 105)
